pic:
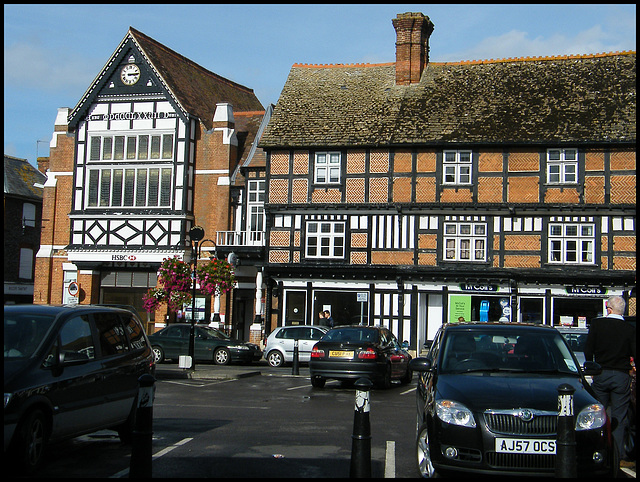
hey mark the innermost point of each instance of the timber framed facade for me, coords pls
(493, 190)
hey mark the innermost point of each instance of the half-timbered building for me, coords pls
(146, 154)
(414, 193)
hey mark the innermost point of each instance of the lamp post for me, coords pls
(196, 234)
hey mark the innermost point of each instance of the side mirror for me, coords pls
(420, 365)
(591, 368)
(71, 358)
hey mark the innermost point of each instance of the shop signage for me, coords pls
(478, 287)
(585, 290)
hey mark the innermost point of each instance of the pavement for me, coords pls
(210, 371)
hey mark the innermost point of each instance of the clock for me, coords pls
(130, 74)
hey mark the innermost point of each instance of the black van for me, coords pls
(68, 371)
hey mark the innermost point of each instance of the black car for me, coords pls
(209, 345)
(488, 402)
(347, 353)
(68, 371)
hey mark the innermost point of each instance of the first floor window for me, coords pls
(133, 147)
(144, 187)
(327, 168)
(457, 167)
(571, 243)
(562, 166)
(465, 241)
(325, 239)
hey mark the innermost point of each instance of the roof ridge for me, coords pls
(137, 33)
(472, 62)
(249, 112)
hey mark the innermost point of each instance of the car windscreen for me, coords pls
(352, 334)
(501, 349)
(24, 333)
(213, 333)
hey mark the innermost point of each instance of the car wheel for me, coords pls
(275, 358)
(425, 466)
(317, 382)
(386, 379)
(158, 355)
(407, 377)
(32, 438)
(221, 356)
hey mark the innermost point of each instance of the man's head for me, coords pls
(615, 305)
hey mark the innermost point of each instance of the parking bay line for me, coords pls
(158, 454)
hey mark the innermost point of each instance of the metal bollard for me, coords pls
(566, 462)
(296, 366)
(361, 438)
(140, 464)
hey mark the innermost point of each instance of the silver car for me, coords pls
(281, 341)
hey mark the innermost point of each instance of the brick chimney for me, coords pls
(412, 46)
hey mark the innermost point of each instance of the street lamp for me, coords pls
(196, 234)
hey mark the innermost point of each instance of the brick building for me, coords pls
(413, 193)
(146, 154)
(22, 219)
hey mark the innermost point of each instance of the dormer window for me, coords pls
(562, 166)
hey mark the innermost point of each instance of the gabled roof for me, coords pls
(194, 89)
(589, 98)
(20, 177)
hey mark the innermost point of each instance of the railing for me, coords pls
(244, 238)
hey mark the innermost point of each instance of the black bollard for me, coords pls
(296, 366)
(361, 438)
(140, 464)
(566, 462)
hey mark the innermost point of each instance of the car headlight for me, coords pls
(591, 417)
(239, 347)
(455, 413)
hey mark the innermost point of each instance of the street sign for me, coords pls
(73, 288)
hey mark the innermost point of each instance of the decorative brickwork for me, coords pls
(358, 240)
(358, 257)
(522, 190)
(427, 241)
(355, 190)
(402, 161)
(522, 242)
(378, 190)
(594, 189)
(623, 160)
(279, 256)
(626, 263)
(392, 257)
(524, 161)
(427, 259)
(489, 189)
(401, 189)
(281, 239)
(594, 161)
(278, 191)
(566, 195)
(490, 162)
(623, 189)
(624, 243)
(425, 190)
(299, 192)
(521, 261)
(426, 161)
(379, 161)
(300, 162)
(456, 195)
(356, 161)
(331, 196)
(279, 162)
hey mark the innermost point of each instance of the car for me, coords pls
(69, 371)
(281, 341)
(487, 402)
(350, 352)
(210, 345)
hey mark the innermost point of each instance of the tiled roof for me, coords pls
(197, 89)
(534, 100)
(20, 177)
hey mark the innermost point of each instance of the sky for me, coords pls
(52, 53)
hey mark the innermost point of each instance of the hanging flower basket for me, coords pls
(175, 275)
(216, 277)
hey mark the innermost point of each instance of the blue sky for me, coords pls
(52, 53)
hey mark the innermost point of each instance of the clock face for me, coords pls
(130, 74)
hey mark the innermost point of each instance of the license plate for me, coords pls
(525, 446)
(340, 354)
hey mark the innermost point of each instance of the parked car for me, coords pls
(350, 352)
(210, 344)
(487, 398)
(281, 342)
(68, 371)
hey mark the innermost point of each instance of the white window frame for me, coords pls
(129, 147)
(325, 239)
(465, 241)
(457, 167)
(572, 243)
(256, 220)
(327, 168)
(102, 190)
(562, 166)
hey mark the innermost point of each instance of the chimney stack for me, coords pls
(412, 46)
